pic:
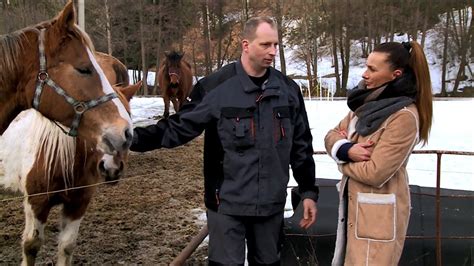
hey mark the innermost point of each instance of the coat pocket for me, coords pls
(282, 127)
(376, 217)
(239, 125)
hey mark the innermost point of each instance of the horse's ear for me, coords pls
(130, 90)
(67, 18)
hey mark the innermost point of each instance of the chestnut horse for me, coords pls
(51, 67)
(51, 168)
(175, 79)
(115, 71)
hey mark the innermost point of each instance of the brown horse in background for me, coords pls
(175, 79)
(81, 128)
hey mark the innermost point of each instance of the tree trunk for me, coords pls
(416, 21)
(346, 46)
(245, 12)
(158, 49)
(392, 18)
(334, 52)
(370, 36)
(220, 34)
(194, 62)
(279, 23)
(307, 51)
(143, 48)
(108, 28)
(207, 40)
(425, 25)
(445, 57)
(464, 42)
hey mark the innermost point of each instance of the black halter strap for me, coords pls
(78, 106)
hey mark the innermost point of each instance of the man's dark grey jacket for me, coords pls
(252, 135)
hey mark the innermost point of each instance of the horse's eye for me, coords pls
(84, 71)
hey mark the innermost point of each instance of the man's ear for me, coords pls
(397, 73)
(245, 45)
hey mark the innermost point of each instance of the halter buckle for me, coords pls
(42, 76)
(80, 107)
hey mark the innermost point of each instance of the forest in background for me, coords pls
(138, 32)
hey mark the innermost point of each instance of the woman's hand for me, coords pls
(361, 151)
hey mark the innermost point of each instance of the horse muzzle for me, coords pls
(111, 168)
(116, 143)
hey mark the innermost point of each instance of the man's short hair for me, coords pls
(251, 25)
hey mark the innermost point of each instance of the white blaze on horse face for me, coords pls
(114, 138)
(109, 162)
(108, 88)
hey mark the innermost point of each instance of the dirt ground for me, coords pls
(148, 218)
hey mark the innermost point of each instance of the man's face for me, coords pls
(378, 71)
(261, 51)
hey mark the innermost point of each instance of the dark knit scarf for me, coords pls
(373, 106)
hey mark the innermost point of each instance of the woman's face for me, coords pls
(379, 71)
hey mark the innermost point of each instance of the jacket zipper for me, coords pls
(217, 197)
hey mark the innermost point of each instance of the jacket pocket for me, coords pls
(238, 125)
(376, 217)
(282, 124)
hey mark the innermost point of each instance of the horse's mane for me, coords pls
(40, 137)
(12, 44)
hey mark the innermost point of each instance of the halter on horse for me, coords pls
(79, 106)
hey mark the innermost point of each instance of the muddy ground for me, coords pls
(148, 218)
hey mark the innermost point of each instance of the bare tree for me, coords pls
(445, 56)
(279, 22)
(108, 28)
(462, 32)
(143, 48)
(207, 37)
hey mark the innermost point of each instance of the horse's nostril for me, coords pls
(108, 144)
(102, 168)
(128, 138)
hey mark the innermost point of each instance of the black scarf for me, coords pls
(373, 106)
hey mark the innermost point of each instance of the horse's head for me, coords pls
(111, 167)
(68, 85)
(172, 65)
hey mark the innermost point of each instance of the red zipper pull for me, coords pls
(217, 197)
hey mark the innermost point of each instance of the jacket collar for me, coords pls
(272, 85)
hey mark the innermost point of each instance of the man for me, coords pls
(256, 126)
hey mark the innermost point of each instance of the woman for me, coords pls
(391, 111)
